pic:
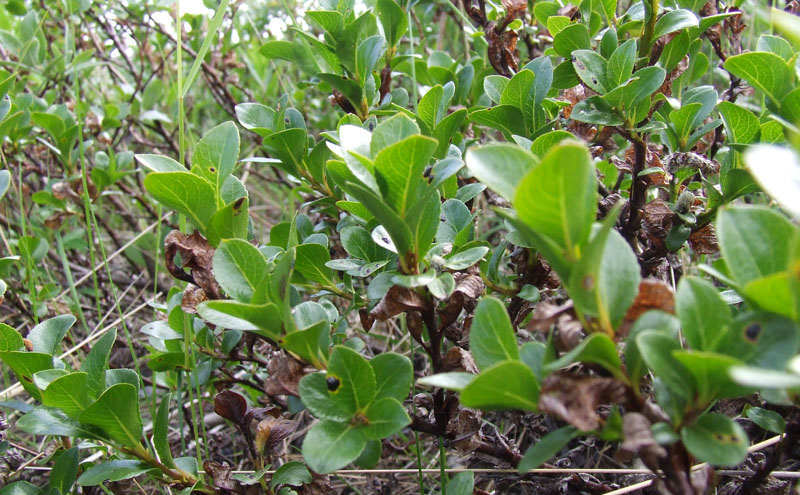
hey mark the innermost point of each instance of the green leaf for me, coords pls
(571, 38)
(491, 336)
(462, 484)
(186, 193)
(519, 92)
(330, 446)
(591, 68)
(500, 166)
(466, 258)
(330, 21)
(711, 375)
(240, 269)
(768, 420)
(705, 317)
(557, 197)
(20, 487)
(385, 417)
(394, 375)
(393, 19)
(290, 147)
(544, 449)
(357, 386)
(606, 280)
(399, 170)
(494, 86)
(230, 222)
(742, 126)
(399, 232)
(520, 388)
(310, 344)
(597, 348)
(116, 470)
(233, 315)
(716, 439)
(764, 71)
(367, 55)
(310, 262)
(390, 131)
(455, 380)
(506, 118)
(96, 363)
(755, 241)
(47, 335)
(656, 349)
(25, 365)
(317, 398)
(595, 110)
(292, 473)
(65, 470)
(68, 393)
(48, 421)
(217, 152)
(620, 64)
(674, 20)
(161, 432)
(116, 411)
(159, 163)
(10, 339)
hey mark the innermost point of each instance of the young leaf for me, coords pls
(491, 336)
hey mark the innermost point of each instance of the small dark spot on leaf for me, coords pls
(594, 80)
(752, 331)
(371, 126)
(385, 239)
(333, 383)
(238, 204)
(427, 172)
(212, 169)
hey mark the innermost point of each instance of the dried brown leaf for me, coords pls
(285, 373)
(458, 359)
(222, 477)
(704, 240)
(196, 255)
(231, 406)
(575, 399)
(653, 294)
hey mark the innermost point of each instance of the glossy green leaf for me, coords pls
(68, 393)
(217, 152)
(741, 124)
(229, 222)
(159, 163)
(309, 344)
(520, 388)
(65, 470)
(591, 68)
(455, 380)
(766, 419)
(25, 365)
(10, 339)
(674, 20)
(491, 337)
(96, 363)
(620, 64)
(48, 421)
(235, 315)
(161, 432)
(393, 19)
(399, 168)
(571, 38)
(292, 473)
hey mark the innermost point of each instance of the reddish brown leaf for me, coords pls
(285, 373)
(575, 399)
(196, 255)
(653, 294)
(704, 241)
(221, 477)
(231, 406)
(457, 359)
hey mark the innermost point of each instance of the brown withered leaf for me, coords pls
(704, 240)
(653, 294)
(694, 161)
(222, 479)
(320, 485)
(464, 428)
(638, 439)
(501, 49)
(196, 255)
(657, 220)
(468, 289)
(547, 313)
(192, 296)
(285, 373)
(458, 359)
(271, 431)
(231, 406)
(63, 190)
(398, 300)
(514, 8)
(575, 399)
